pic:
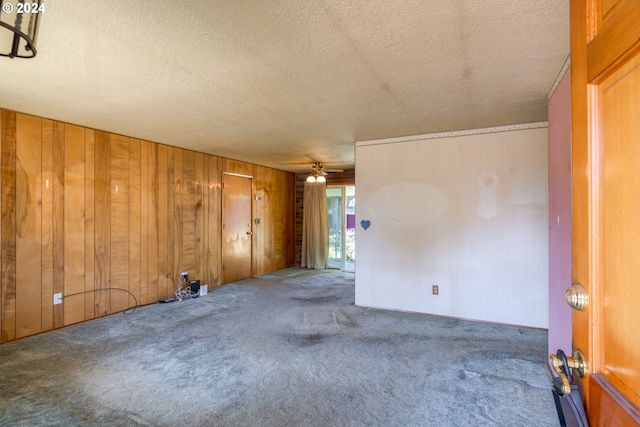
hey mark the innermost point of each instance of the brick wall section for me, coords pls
(348, 177)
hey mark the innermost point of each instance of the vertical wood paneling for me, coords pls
(263, 233)
(165, 288)
(206, 267)
(144, 223)
(74, 239)
(28, 225)
(214, 221)
(238, 167)
(58, 220)
(199, 210)
(290, 212)
(119, 223)
(47, 225)
(60, 210)
(170, 206)
(89, 225)
(279, 218)
(188, 220)
(134, 220)
(102, 222)
(153, 226)
(175, 217)
(8, 233)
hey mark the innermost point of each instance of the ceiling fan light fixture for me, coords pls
(19, 28)
(311, 178)
(320, 179)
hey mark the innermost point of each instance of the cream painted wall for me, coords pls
(464, 210)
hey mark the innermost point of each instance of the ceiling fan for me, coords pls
(319, 169)
(318, 172)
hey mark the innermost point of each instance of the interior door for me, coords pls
(605, 62)
(236, 227)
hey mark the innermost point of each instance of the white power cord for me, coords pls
(182, 294)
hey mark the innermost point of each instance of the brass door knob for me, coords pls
(577, 297)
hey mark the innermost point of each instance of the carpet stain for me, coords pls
(306, 340)
(318, 299)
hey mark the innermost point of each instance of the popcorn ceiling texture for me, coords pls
(284, 83)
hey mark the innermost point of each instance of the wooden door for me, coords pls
(236, 227)
(605, 61)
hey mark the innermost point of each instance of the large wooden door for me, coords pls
(236, 227)
(605, 61)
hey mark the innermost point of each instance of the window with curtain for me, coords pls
(315, 226)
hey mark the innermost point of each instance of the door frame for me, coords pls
(342, 223)
(222, 212)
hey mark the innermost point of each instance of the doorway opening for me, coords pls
(341, 203)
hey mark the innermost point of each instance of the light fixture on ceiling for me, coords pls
(19, 28)
(318, 173)
(317, 178)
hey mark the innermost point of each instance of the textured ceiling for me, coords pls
(283, 83)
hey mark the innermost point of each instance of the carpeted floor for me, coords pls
(285, 349)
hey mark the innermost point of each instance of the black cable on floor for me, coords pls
(135, 304)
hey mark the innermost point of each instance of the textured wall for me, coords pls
(560, 215)
(464, 210)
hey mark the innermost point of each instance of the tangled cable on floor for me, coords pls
(182, 294)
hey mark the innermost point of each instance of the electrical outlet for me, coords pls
(57, 299)
(436, 290)
(185, 276)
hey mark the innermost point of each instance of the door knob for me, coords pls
(249, 232)
(577, 297)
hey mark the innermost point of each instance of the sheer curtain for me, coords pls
(315, 226)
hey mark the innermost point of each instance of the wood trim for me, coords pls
(238, 174)
(580, 178)
(610, 407)
(615, 42)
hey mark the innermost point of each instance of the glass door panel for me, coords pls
(350, 230)
(335, 204)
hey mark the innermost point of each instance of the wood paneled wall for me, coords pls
(104, 218)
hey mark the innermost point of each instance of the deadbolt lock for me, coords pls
(577, 297)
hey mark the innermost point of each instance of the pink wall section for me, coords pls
(560, 215)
